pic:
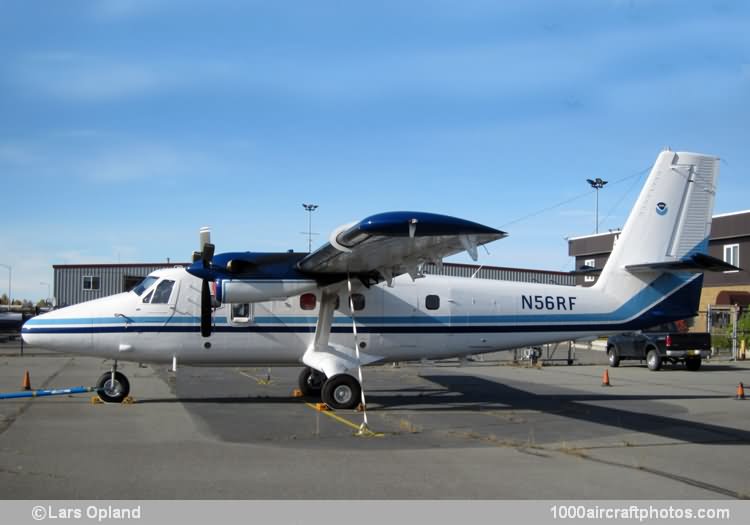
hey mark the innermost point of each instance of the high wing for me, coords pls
(394, 243)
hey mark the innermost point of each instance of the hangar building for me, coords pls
(729, 241)
(76, 283)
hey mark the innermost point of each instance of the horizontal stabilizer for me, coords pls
(699, 262)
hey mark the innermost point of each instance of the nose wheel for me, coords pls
(113, 387)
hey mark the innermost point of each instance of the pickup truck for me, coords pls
(659, 345)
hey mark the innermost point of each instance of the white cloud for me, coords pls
(77, 77)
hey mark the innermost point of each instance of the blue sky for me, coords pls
(126, 125)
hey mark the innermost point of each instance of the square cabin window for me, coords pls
(432, 302)
(307, 301)
(242, 312)
(359, 301)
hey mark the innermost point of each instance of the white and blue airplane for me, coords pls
(361, 298)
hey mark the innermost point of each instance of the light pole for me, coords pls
(597, 184)
(10, 273)
(309, 208)
(46, 301)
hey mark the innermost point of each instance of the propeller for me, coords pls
(205, 256)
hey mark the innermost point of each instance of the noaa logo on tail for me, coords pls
(661, 208)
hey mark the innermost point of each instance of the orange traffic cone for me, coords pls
(605, 378)
(740, 391)
(26, 385)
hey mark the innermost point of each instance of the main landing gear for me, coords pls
(113, 386)
(340, 392)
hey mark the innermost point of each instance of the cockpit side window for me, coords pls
(163, 292)
(144, 285)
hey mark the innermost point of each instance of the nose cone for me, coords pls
(67, 329)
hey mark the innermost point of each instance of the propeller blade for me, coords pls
(205, 309)
(207, 254)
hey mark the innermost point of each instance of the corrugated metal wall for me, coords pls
(69, 289)
(502, 274)
(68, 281)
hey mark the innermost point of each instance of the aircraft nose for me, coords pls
(60, 330)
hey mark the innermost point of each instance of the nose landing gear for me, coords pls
(113, 387)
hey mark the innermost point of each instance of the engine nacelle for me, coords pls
(259, 290)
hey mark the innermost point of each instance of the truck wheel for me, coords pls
(613, 357)
(653, 359)
(693, 363)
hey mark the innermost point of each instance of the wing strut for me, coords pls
(363, 428)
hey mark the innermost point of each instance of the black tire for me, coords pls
(113, 393)
(653, 359)
(693, 363)
(613, 357)
(341, 392)
(311, 381)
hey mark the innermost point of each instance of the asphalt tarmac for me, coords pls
(481, 430)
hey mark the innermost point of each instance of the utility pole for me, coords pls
(310, 208)
(597, 184)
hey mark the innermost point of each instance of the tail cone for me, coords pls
(740, 391)
(605, 378)
(26, 385)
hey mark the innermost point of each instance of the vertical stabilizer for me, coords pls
(670, 221)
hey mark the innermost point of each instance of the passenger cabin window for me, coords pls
(242, 313)
(432, 302)
(307, 301)
(163, 292)
(90, 283)
(359, 301)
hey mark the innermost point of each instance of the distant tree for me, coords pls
(42, 303)
(4, 299)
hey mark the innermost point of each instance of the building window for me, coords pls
(590, 263)
(732, 255)
(90, 283)
(432, 302)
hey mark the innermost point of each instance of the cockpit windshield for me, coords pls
(145, 284)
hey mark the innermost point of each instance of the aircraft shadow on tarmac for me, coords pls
(462, 393)
(482, 394)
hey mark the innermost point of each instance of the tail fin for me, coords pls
(669, 224)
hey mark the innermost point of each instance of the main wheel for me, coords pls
(311, 381)
(693, 363)
(613, 357)
(341, 391)
(653, 359)
(113, 392)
